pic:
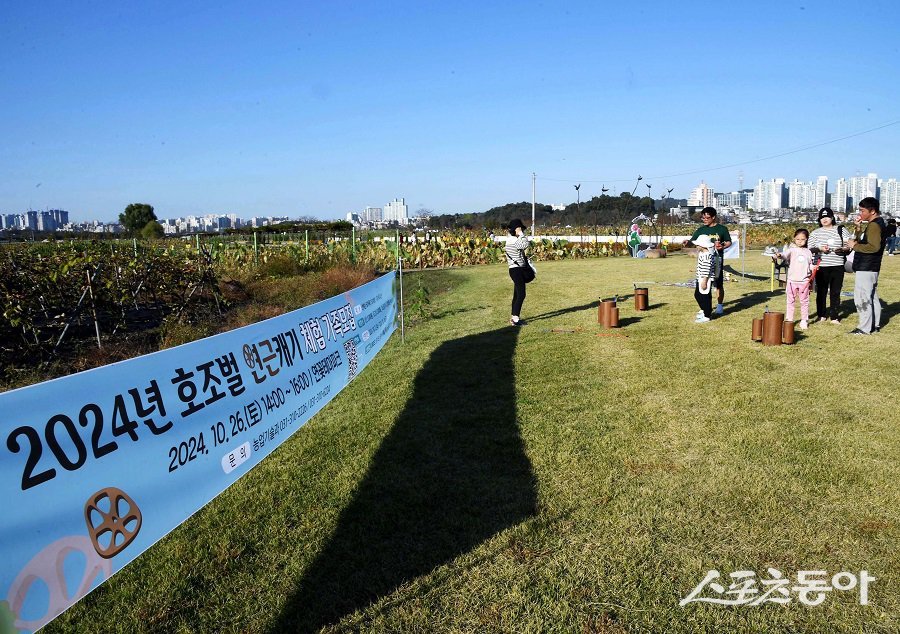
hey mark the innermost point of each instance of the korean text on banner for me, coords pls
(100, 465)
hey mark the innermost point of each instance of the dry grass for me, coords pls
(481, 478)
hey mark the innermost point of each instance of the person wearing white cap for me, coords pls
(705, 274)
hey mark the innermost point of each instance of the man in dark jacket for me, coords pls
(868, 244)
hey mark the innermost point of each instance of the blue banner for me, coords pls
(98, 466)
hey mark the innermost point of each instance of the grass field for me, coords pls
(556, 477)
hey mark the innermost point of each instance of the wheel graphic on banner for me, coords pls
(120, 524)
(48, 566)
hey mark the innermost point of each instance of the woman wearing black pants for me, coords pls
(517, 262)
(829, 242)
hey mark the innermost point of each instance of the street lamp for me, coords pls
(578, 199)
(640, 178)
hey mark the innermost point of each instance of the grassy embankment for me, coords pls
(553, 478)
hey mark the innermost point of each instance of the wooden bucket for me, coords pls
(772, 329)
(613, 318)
(757, 330)
(604, 316)
(787, 332)
(641, 298)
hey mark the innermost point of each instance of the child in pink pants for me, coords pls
(799, 260)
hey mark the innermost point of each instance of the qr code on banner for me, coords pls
(352, 359)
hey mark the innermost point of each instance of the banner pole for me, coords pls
(402, 317)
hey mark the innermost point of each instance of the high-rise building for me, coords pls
(821, 191)
(30, 220)
(769, 195)
(863, 187)
(731, 199)
(890, 197)
(60, 216)
(397, 211)
(839, 198)
(372, 214)
(804, 195)
(702, 196)
(46, 221)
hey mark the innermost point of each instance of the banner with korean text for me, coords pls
(98, 466)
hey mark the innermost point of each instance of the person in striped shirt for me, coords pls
(518, 262)
(705, 274)
(830, 242)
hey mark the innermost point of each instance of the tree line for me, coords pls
(598, 211)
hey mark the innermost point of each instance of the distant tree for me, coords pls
(153, 230)
(136, 216)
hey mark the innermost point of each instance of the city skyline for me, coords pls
(323, 110)
(793, 194)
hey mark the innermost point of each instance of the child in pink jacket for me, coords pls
(799, 259)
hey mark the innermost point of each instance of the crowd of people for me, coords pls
(822, 256)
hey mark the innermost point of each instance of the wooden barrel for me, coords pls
(787, 332)
(607, 306)
(641, 298)
(613, 321)
(757, 330)
(772, 329)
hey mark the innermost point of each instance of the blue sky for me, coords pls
(323, 108)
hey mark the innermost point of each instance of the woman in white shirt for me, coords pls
(829, 241)
(518, 262)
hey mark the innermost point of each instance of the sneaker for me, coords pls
(836, 321)
(804, 325)
(701, 319)
(516, 322)
(821, 319)
(857, 331)
(720, 309)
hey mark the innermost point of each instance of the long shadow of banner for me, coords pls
(451, 473)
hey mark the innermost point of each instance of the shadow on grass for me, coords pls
(747, 276)
(563, 311)
(766, 298)
(455, 311)
(888, 311)
(451, 473)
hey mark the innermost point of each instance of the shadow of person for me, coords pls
(451, 473)
(728, 268)
(749, 300)
(562, 311)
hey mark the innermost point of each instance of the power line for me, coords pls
(730, 165)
